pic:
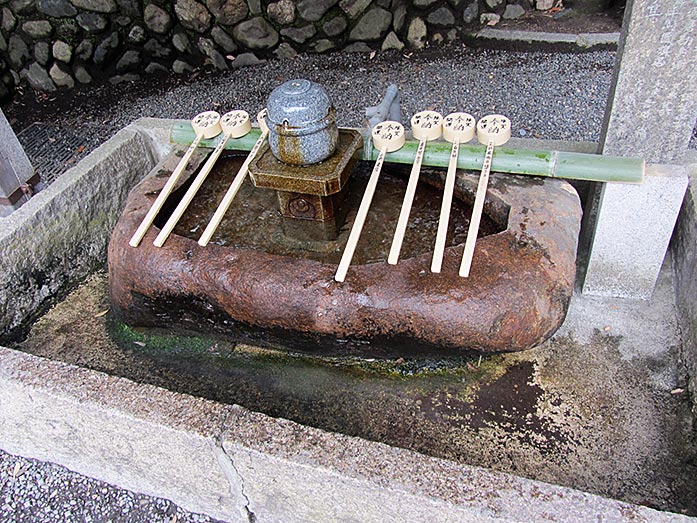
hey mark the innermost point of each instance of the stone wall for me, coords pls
(51, 44)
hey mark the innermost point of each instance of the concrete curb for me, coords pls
(238, 465)
(536, 40)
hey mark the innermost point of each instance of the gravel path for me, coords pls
(546, 95)
(36, 492)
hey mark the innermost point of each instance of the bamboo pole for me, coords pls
(553, 164)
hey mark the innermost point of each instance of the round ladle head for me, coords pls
(459, 126)
(427, 125)
(206, 124)
(389, 135)
(494, 128)
(236, 124)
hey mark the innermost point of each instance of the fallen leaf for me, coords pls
(607, 328)
(100, 314)
(139, 343)
(470, 366)
(80, 149)
(677, 391)
(372, 54)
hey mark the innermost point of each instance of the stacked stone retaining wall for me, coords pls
(52, 44)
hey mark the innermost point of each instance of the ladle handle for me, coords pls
(231, 192)
(477, 211)
(190, 193)
(442, 233)
(360, 217)
(406, 204)
(164, 193)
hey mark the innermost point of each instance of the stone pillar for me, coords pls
(16, 173)
(650, 114)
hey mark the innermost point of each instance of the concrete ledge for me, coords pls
(238, 465)
(59, 236)
(538, 40)
(684, 250)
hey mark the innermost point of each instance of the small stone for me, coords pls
(322, 46)
(3, 47)
(228, 12)
(92, 22)
(156, 69)
(8, 20)
(256, 33)
(400, 13)
(335, 26)
(181, 67)
(254, 7)
(106, 47)
(357, 47)
(156, 49)
(416, 34)
(99, 6)
(123, 78)
(128, 60)
(313, 10)
(493, 4)
(285, 51)
(543, 5)
(17, 51)
(157, 19)
(181, 42)
(38, 78)
(441, 16)
(452, 35)
(245, 60)
(37, 28)
(193, 15)
(392, 41)
(60, 77)
(470, 13)
(84, 50)
(354, 7)
(282, 12)
(81, 75)
(299, 34)
(56, 8)
(385, 4)
(223, 39)
(437, 38)
(21, 6)
(62, 51)
(42, 52)
(489, 19)
(372, 25)
(423, 3)
(513, 11)
(130, 7)
(207, 47)
(137, 34)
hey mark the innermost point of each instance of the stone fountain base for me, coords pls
(517, 294)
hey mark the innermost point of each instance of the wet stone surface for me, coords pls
(586, 409)
(515, 297)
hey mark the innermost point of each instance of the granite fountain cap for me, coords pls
(302, 123)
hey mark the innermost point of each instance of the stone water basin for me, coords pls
(252, 281)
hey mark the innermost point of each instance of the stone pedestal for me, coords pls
(650, 114)
(17, 176)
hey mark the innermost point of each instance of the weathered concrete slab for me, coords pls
(633, 227)
(60, 236)
(543, 40)
(239, 465)
(684, 250)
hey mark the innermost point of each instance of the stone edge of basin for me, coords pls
(540, 40)
(238, 465)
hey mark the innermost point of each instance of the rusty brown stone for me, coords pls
(516, 296)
